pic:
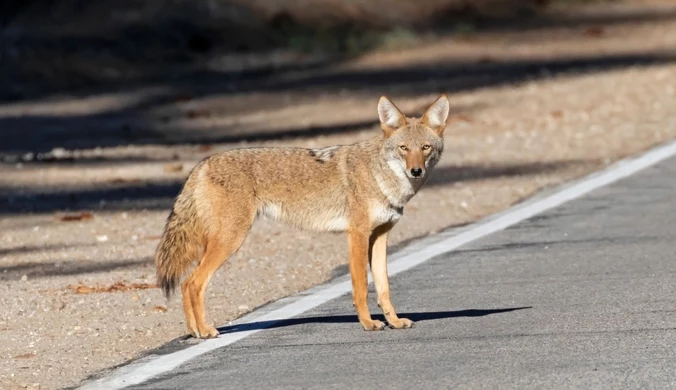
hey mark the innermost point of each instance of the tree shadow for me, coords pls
(34, 248)
(137, 125)
(461, 76)
(66, 268)
(130, 196)
(129, 127)
(133, 131)
(341, 319)
(445, 175)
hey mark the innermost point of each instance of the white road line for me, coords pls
(401, 261)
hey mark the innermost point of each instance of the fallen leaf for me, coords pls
(83, 290)
(595, 31)
(117, 286)
(557, 114)
(205, 148)
(160, 309)
(173, 167)
(25, 356)
(142, 286)
(82, 216)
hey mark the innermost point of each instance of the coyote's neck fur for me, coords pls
(393, 183)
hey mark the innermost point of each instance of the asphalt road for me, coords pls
(582, 296)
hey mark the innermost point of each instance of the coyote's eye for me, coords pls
(426, 147)
(403, 147)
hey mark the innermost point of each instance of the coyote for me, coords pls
(360, 189)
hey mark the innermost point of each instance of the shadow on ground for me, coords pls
(36, 270)
(138, 125)
(340, 319)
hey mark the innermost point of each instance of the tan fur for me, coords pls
(360, 189)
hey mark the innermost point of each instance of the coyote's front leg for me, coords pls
(380, 278)
(358, 243)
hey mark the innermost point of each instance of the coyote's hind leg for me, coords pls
(221, 243)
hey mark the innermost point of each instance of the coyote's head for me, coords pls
(413, 145)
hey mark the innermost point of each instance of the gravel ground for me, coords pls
(79, 228)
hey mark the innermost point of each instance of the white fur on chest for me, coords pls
(381, 214)
(399, 191)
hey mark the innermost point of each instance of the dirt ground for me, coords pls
(82, 212)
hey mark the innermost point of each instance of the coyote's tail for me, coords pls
(180, 245)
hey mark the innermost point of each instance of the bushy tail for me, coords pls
(180, 245)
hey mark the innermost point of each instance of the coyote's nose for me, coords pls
(416, 172)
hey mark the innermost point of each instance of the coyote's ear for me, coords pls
(390, 117)
(437, 115)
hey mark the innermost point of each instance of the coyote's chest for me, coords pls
(394, 185)
(382, 214)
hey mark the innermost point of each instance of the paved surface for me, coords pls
(583, 296)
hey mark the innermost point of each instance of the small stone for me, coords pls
(24, 278)
(102, 238)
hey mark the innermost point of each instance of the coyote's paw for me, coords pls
(373, 325)
(207, 332)
(401, 323)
